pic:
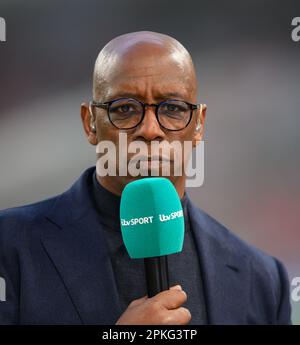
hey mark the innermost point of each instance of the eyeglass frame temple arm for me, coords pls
(99, 104)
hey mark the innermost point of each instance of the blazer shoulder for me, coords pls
(270, 283)
(14, 221)
(264, 266)
(19, 223)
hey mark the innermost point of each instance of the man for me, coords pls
(63, 259)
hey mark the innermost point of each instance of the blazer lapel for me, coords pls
(226, 273)
(75, 242)
(76, 245)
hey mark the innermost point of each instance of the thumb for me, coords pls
(176, 287)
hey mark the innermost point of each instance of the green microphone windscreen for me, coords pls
(152, 220)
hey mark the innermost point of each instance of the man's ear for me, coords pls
(89, 123)
(199, 128)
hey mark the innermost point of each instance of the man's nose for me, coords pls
(150, 129)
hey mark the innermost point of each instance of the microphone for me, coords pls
(152, 226)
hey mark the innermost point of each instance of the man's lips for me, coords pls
(150, 158)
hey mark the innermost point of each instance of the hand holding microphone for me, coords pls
(162, 309)
(152, 226)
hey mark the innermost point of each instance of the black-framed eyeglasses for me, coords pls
(128, 113)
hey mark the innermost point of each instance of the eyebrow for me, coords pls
(169, 95)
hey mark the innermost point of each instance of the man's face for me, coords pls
(150, 75)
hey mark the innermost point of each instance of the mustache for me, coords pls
(160, 151)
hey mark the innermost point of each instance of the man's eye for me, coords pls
(172, 107)
(124, 108)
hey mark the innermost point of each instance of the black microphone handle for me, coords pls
(157, 277)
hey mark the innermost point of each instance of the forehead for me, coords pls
(149, 73)
(146, 70)
(148, 88)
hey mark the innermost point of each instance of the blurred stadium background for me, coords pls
(249, 75)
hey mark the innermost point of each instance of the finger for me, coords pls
(171, 299)
(179, 316)
(176, 287)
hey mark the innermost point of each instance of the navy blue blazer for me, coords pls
(57, 270)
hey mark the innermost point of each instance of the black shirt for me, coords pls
(184, 268)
